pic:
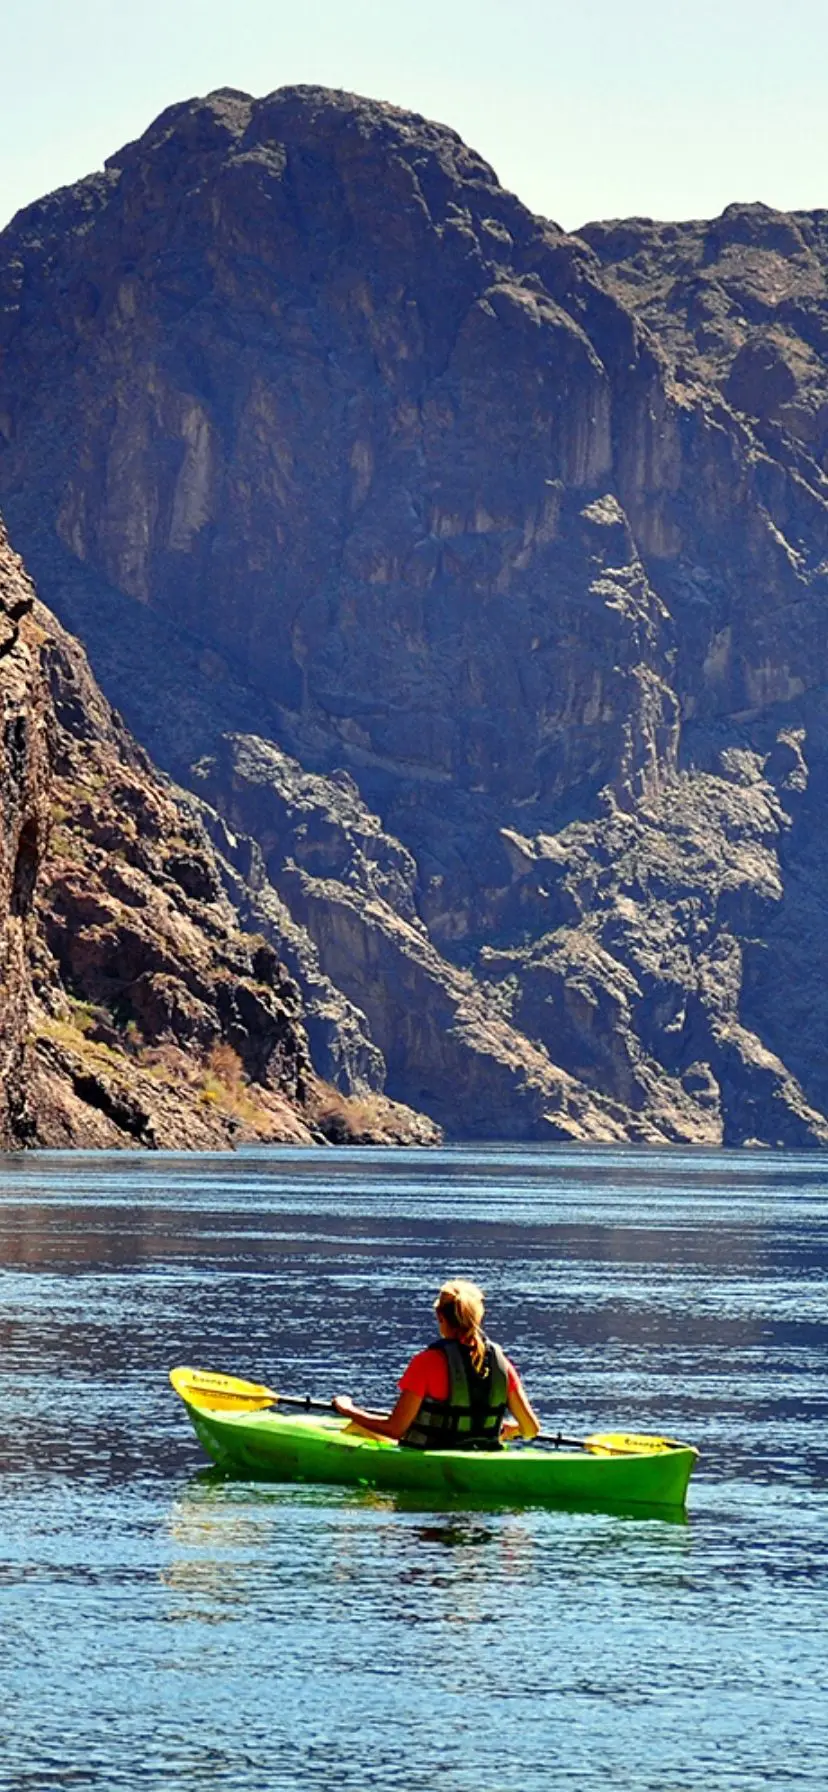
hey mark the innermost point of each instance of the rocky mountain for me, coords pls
(472, 575)
(135, 1009)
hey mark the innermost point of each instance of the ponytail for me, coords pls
(461, 1304)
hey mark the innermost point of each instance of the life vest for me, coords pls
(471, 1417)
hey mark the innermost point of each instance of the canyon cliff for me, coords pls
(471, 575)
(134, 1009)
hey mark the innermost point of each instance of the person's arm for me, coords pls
(393, 1424)
(527, 1423)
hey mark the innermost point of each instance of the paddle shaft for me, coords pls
(305, 1402)
(557, 1439)
(610, 1443)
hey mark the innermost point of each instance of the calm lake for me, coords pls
(161, 1627)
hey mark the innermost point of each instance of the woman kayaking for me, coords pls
(456, 1394)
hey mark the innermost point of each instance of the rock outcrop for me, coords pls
(471, 575)
(135, 1010)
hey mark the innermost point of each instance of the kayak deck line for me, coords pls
(254, 1441)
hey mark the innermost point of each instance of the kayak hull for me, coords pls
(264, 1445)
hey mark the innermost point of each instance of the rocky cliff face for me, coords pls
(472, 574)
(135, 1010)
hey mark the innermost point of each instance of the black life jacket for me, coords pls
(471, 1417)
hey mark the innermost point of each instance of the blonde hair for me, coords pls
(462, 1305)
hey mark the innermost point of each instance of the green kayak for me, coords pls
(264, 1445)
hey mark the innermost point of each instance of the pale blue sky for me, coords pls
(585, 108)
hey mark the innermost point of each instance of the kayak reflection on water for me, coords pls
(457, 1393)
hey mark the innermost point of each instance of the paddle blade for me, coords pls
(222, 1393)
(630, 1443)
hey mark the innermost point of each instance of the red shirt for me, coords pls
(428, 1375)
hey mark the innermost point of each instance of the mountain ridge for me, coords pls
(525, 532)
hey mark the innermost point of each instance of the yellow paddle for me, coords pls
(229, 1393)
(613, 1443)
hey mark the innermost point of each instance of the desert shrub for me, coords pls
(86, 1015)
(94, 1053)
(65, 845)
(347, 1118)
(224, 1085)
(227, 1066)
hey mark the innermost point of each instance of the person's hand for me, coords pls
(343, 1404)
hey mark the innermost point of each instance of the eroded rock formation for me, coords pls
(133, 1007)
(472, 576)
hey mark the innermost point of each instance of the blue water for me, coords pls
(160, 1627)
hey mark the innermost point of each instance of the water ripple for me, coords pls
(162, 1627)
